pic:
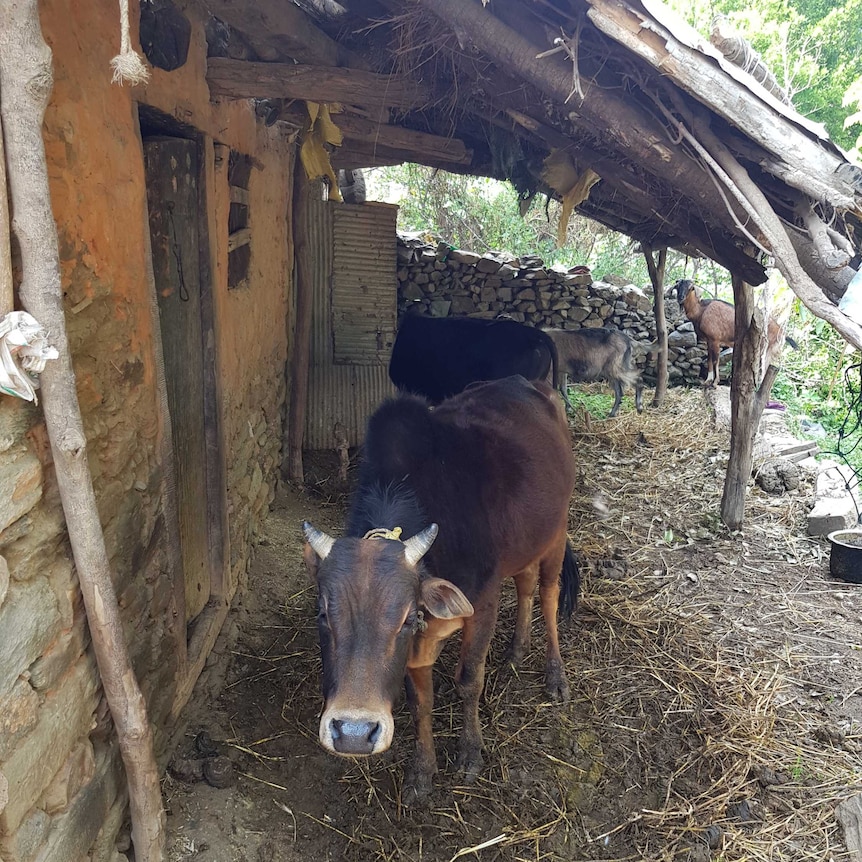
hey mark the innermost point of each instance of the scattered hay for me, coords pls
(690, 659)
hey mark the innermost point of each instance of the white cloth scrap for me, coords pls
(24, 350)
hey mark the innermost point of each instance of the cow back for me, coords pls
(492, 467)
(440, 357)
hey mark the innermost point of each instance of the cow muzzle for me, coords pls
(356, 733)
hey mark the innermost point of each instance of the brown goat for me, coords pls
(585, 355)
(715, 323)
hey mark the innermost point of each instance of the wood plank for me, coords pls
(173, 201)
(205, 631)
(237, 79)
(238, 238)
(395, 137)
(804, 163)
(239, 195)
(360, 154)
(279, 30)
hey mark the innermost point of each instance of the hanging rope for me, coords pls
(128, 67)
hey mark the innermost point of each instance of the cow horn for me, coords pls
(320, 543)
(417, 546)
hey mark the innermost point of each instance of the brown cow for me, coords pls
(493, 468)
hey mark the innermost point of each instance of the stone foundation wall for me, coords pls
(457, 283)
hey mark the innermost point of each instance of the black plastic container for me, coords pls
(845, 559)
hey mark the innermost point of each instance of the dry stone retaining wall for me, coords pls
(452, 282)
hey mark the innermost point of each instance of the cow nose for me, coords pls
(354, 737)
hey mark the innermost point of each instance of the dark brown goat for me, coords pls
(715, 323)
(584, 355)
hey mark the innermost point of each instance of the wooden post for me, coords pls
(302, 324)
(656, 276)
(746, 402)
(7, 302)
(26, 81)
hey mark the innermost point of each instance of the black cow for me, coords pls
(438, 357)
(493, 468)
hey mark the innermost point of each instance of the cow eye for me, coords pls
(410, 622)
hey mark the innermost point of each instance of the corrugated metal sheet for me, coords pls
(363, 281)
(344, 395)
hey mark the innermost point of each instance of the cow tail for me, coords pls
(552, 345)
(570, 583)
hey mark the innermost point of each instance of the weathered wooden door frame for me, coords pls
(195, 640)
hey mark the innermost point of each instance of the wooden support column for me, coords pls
(26, 79)
(747, 401)
(304, 287)
(656, 276)
(7, 302)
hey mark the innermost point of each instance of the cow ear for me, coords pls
(442, 599)
(312, 561)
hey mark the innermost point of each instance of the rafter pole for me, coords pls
(633, 132)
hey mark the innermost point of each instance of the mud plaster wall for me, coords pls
(62, 795)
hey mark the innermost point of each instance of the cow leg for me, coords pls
(639, 397)
(470, 676)
(618, 398)
(420, 696)
(556, 684)
(525, 584)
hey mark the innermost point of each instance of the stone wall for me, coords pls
(62, 789)
(447, 281)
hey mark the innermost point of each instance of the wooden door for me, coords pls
(172, 196)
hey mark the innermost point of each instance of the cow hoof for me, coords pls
(556, 685)
(417, 788)
(470, 764)
(516, 653)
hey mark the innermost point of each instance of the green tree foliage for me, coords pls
(813, 47)
(483, 215)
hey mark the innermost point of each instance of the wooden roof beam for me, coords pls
(422, 144)
(238, 79)
(632, 132)
(359, 154)
(278, 30)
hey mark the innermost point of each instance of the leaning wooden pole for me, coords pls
(747, 402)
(25, 86)
(656, 276)
(6, 297)
(302, 323)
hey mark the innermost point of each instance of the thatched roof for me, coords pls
(692, 152)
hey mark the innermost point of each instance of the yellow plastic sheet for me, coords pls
(322, 131)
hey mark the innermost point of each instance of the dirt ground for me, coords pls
(716, 708)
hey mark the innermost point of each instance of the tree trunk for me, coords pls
(302, 327)
(656, 275)
(746, 402)
(26, 81)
